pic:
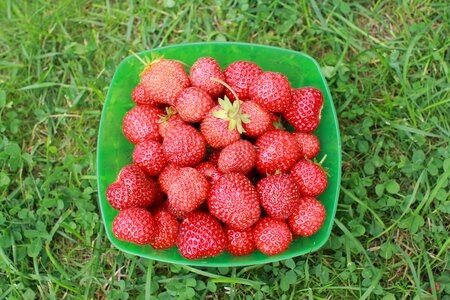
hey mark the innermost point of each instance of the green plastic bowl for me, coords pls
(114, 151)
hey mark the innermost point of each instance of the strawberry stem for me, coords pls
(233, 111)
(183, 63)
(170, 112)
(225, 85)
(139, 58)
(323, 159)
(148, 62)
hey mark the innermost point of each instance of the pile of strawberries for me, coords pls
(213, 167)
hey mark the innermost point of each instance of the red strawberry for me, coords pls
(239, 75)
(167, 176)
(163, 79)
(166, 230)
(193, 104)
(165, 206)
(308, 143)
(213, 156)
(200, 236)
(271, 90)
(305, 111)
(201, 73)
(181, 215)
(141, 123)
(279, 194)
(240, 242)
(307, 217)
(259, 119)
(209, 170)
(132, 189)
(149, 156)
(272, 236)
(216, 130)
(134, 225)
(140, 97)
(189, 190)
(234, 200)
(238, 157)
(168, 120)
(311, 178)
(276, 150)
(184, 146)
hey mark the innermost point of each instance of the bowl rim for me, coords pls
(204, 262)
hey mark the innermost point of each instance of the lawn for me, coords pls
(387, 65)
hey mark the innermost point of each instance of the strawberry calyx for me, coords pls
(231, 112)
(170, 112)
(320, 163)
(279, 124)
(149, 62)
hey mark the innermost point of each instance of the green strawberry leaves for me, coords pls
(232, 112)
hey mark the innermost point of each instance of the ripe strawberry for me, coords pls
(239, 75)
(165, 206)
(234, 200)
(193, 104)
(167, 176)
(141, 123)
(140, 97)
(201, 73)
(134, 225)
(271, 90)
(272, 236)
(200, 236)
(163, 79)
(132, 189)
(240, 242)
(279, 194)
(209, 170)
(311, 178)
(184, 146)
(238, 157)
(166, 230)
(307, 217)
(216, 130)
(308, 144)
(305, 111)
(276, 150)
(259, 119)
(213, 156)
(181, 215)
(149, 156)
(168, 120)
(189, 190)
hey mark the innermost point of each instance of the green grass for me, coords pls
(387, 64)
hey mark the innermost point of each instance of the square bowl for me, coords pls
(114, 151)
